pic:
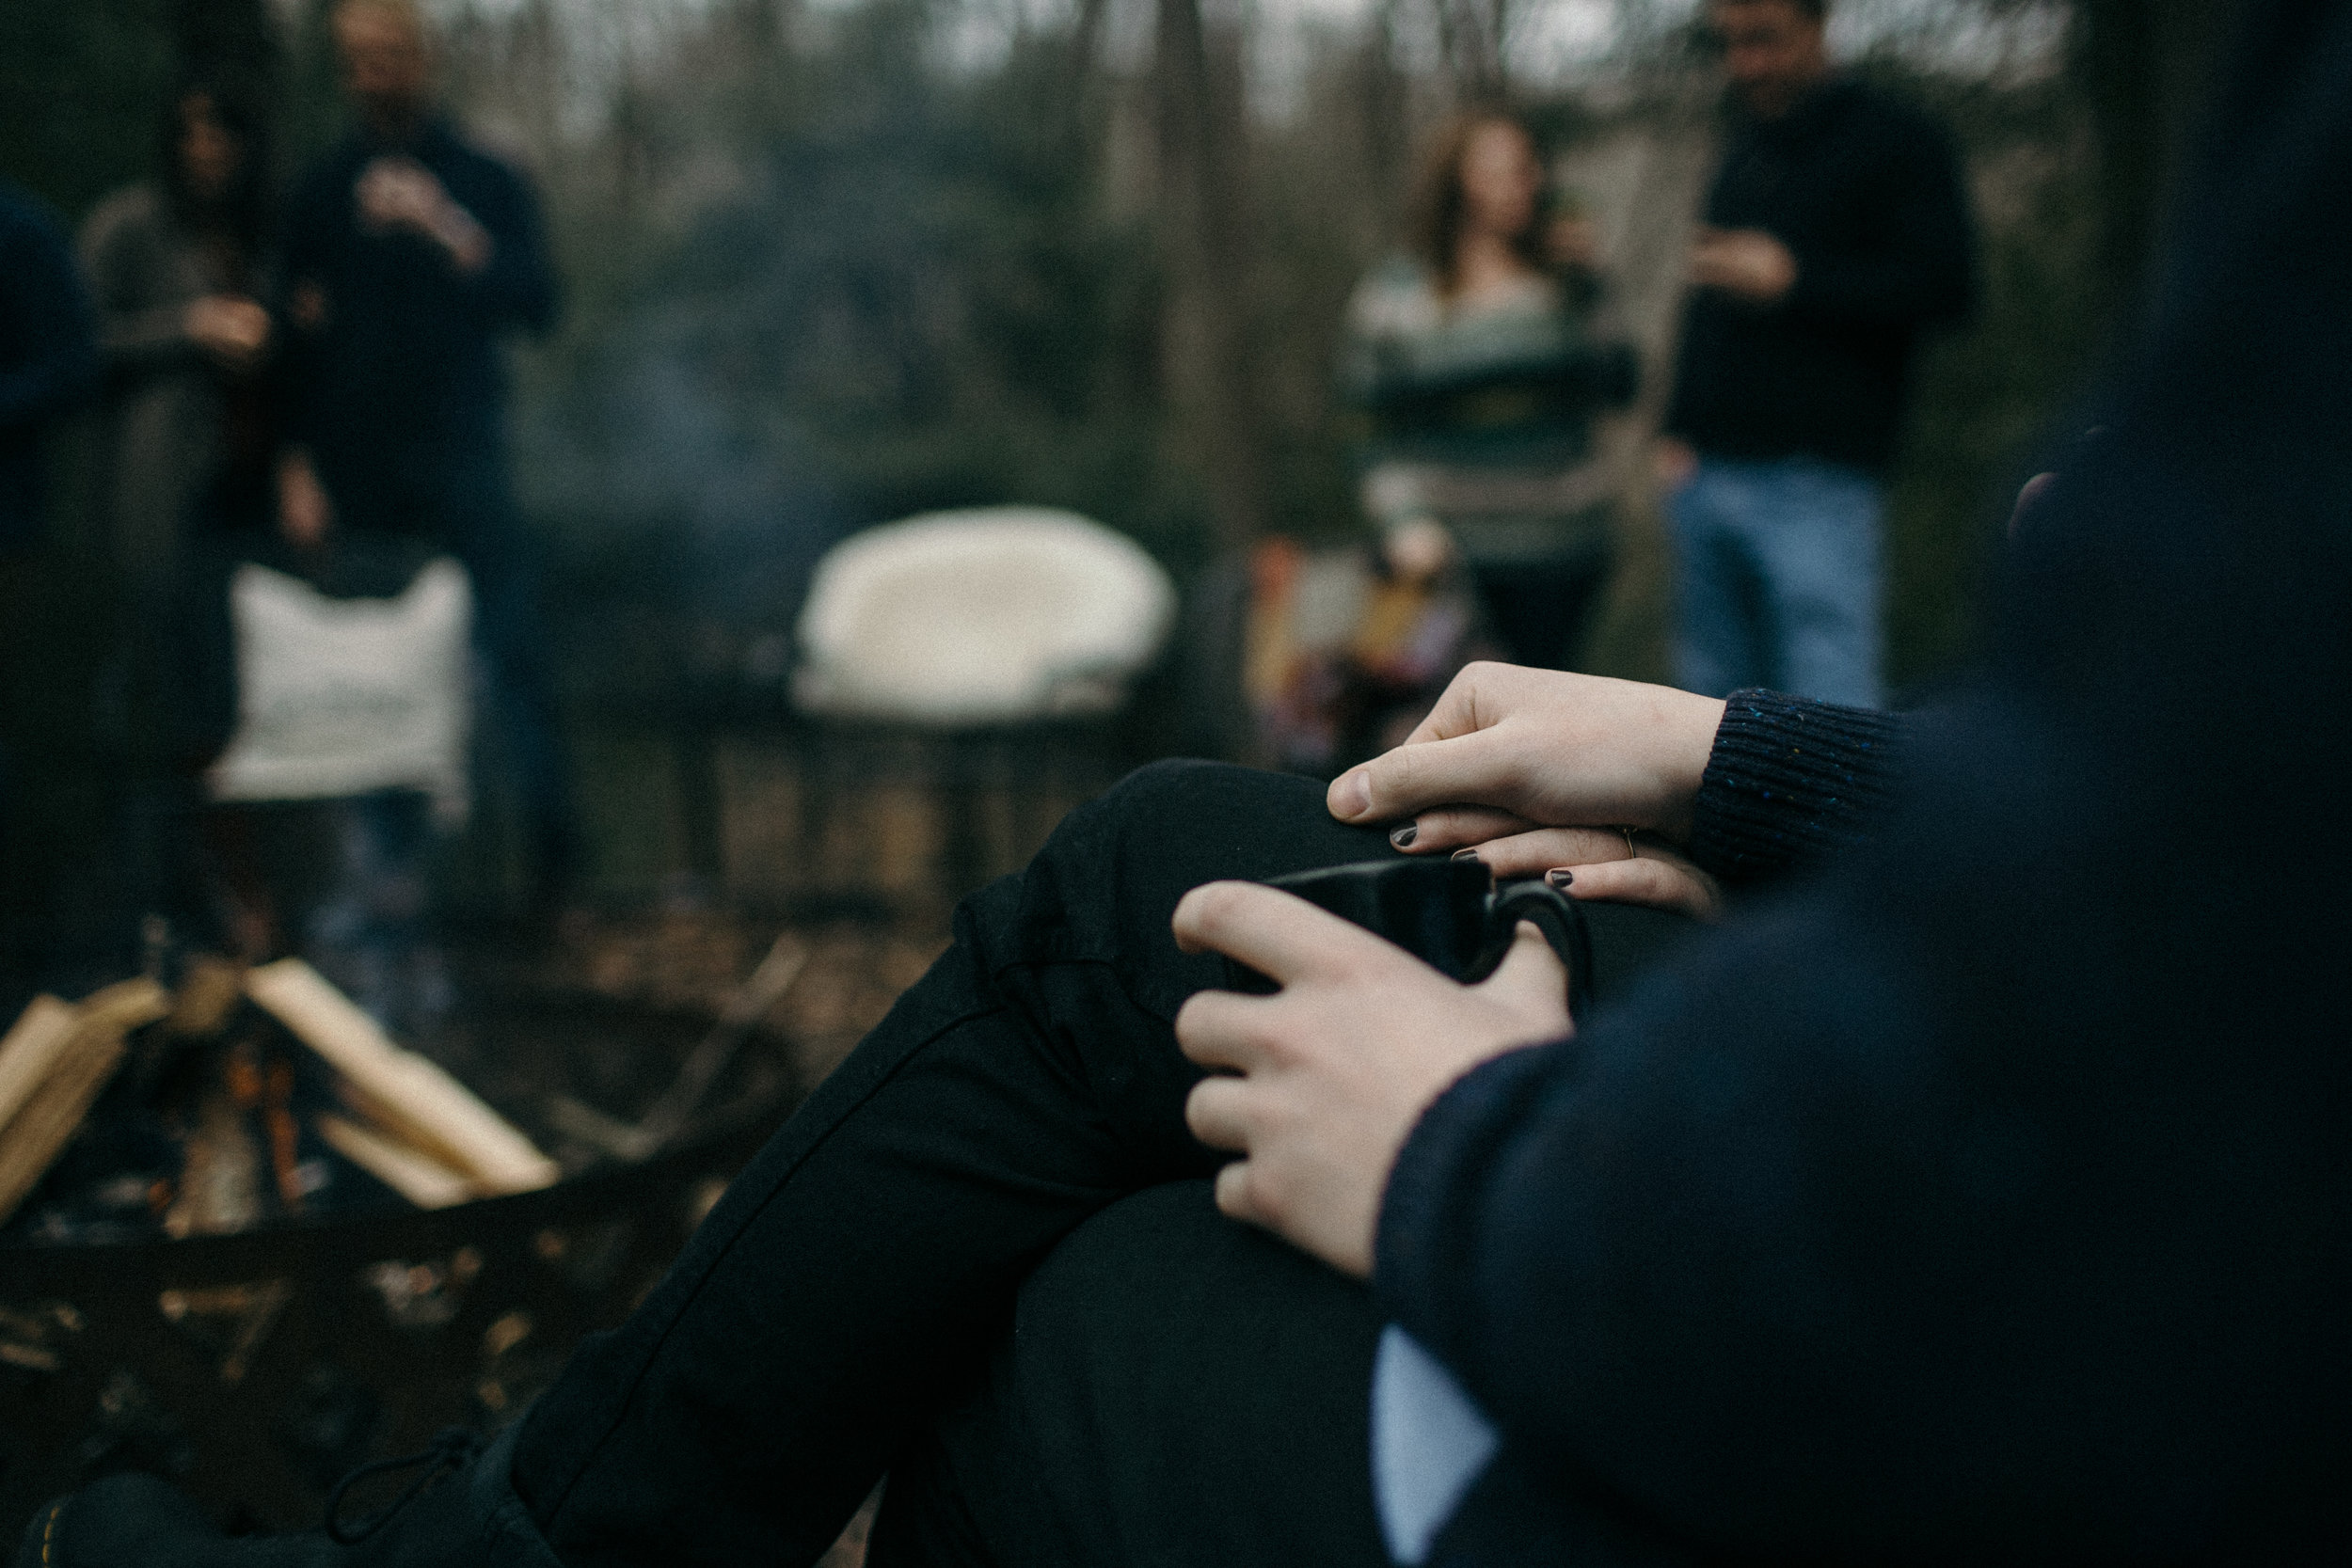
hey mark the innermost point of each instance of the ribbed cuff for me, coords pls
(1788, 781)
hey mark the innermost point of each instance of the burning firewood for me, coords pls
(409, 1098)
(53, 1066)
(232, 1080)
(415, 1175)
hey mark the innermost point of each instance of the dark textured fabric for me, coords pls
(1176, 1389)
(132, 1520)
(857, 1276)
(1788, 781)
(404, 376)
(1984, 1198)
(48, 356)
(1865, 193)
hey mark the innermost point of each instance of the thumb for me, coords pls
(1532, 983)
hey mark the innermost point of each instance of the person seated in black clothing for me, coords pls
(1975, 1193)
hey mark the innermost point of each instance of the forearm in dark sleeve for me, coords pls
(60, 363)
(1983, 1200)
(1859, 1234)
(1788, 781)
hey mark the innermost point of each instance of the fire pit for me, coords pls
(255, 1368)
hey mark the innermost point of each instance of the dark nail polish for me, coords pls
(1559, 876)
(1402, 837)
(1465, 853)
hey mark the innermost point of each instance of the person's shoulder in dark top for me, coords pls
(1886, 158)
(48, 354)
(1854, 115)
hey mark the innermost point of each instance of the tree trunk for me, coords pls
(1471, 40)
(233, 37)
(2145, 67)
(1201, 207)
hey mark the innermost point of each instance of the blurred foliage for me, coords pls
(80, 85)
(1990, 398)
(832, 264)
(901, 292)
(83, 85)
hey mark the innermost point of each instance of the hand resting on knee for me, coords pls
(1542, 770)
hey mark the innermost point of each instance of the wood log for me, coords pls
(31, 1049)
(220, 1185)
(80, 1061)
(420, 1180)
(411, 1098)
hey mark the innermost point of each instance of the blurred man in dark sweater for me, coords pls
(1836, 230)
(409, 254)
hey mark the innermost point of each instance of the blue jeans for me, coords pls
(1778, 573)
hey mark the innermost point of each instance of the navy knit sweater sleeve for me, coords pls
(1983, 1197)
(1787, 782)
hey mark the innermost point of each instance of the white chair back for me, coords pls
(995, 615)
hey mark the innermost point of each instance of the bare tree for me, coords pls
(1473, 37)
(1202, 208)
(2144, 66)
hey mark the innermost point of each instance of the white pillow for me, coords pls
(338, 697)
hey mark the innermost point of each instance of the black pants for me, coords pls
(895, 1281)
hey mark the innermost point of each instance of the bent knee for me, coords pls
(1181, 797)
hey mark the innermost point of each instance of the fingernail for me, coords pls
(1465, 853)
(1559, 876)
(1402, 837)
(1352, 796)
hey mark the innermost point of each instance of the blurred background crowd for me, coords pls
(687, 293)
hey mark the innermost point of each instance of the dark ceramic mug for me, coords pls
(1450, 915)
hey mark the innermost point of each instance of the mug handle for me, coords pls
(1561, 921)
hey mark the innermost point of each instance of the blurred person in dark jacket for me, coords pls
(47, 359)
(48, 363)
(408, 255)
(1835, 230)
